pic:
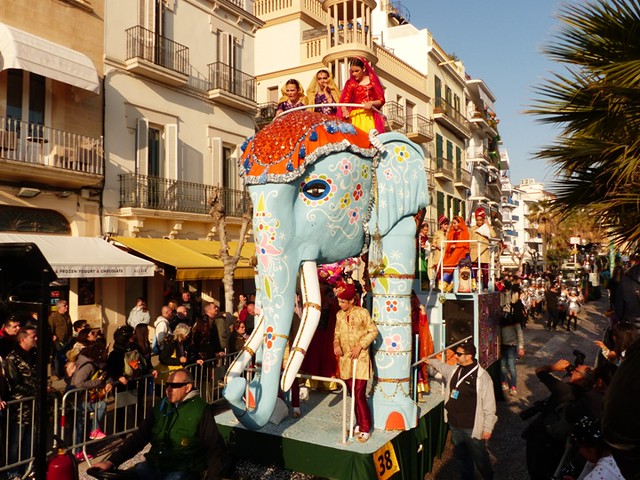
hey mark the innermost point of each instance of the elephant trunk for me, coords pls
(275, 300)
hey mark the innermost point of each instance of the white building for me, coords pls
(180, 98)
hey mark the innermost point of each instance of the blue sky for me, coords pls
(500, 42)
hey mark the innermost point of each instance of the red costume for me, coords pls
(353, 92)
(456, 249)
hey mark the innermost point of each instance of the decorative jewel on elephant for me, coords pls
(324, 191)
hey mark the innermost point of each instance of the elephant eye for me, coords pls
(316, 189)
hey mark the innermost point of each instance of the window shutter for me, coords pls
(142, 147)
(216, 171)
(171, 150)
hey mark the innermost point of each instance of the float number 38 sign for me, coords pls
(385, 461)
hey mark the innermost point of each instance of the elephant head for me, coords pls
(316, 184)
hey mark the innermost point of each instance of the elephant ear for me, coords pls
(401, 182)
(283, 150)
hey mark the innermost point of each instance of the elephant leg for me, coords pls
(393, 408)
(308, 323)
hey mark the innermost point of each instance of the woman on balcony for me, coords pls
(363, 87)
(323, 89)
(293, 96)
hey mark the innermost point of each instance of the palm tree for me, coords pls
(596, 102)
(543, 220)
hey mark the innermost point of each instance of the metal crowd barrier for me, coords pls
(73, 417)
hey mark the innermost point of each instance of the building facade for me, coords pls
(51, 153)
(180, 97)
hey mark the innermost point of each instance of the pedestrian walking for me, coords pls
(470, 410)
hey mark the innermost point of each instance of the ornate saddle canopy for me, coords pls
(282, 151)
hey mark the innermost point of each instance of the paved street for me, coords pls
(506, 447)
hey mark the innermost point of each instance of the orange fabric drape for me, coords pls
(457, 248)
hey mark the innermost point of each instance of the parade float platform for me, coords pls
(311, 444)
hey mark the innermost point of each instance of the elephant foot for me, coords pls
(397, 414)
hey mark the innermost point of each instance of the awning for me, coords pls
(24, 51)
(84, 257)
(192, 259)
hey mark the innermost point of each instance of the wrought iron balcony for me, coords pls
(446, 114)
(54, 152)
(225, 80)
(266, 113)
(395, 115)
(147, 50)
(463, 178)
(156, 193)
(419, 129)
(444, 168)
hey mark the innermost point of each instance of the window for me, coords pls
(26, 99)
(438, 91)
(449, 151)
(450, 213)
(456, 207)
(273, 94)
(456, 103)
(440, 203)
(447, 95)
(230, 174)
(458, 159)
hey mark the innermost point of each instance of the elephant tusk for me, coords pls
(308, 323)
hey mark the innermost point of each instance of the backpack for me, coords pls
(132, 363)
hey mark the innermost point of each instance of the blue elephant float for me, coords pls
(324, 191)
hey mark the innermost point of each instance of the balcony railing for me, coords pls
(443, 107)
(34, 144)
(266, 113)
(478, 154)
(156, 193)
(395, 115)
(419, 126)
(463, 177)
(232, 80)
(154, 48)
(444, 167)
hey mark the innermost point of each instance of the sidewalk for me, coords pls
(542, 347)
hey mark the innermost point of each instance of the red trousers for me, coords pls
(363, 413)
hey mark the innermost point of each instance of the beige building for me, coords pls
(180, 97)
(51, 153)
(429, 96)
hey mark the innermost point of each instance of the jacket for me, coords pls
(485, 415)
(359, 330)
(183, 437)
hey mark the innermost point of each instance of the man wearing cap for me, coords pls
(436, 248)
(481, 233)
(470, 409)
(353, 334)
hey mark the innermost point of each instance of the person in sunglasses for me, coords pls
(470, 409)
(184, 438)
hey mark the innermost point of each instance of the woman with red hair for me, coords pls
(456, 248)
(363, 87)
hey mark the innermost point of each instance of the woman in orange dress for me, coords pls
(363, 87)
(456, 249)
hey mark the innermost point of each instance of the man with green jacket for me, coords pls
(184, 438)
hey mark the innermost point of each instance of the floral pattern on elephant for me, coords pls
(314, 176)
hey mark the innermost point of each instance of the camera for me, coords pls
(577, 361)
